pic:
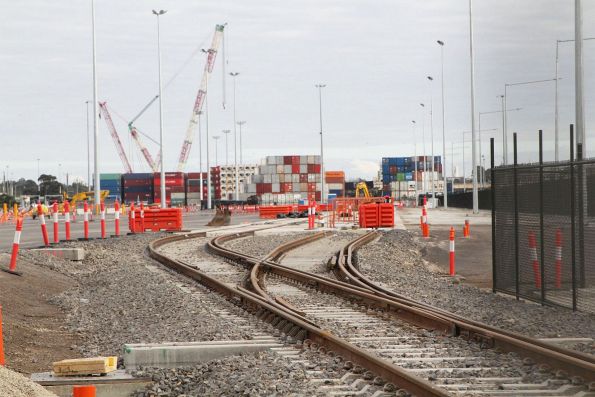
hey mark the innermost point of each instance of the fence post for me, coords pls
(572, 220)
(493, 192)
(516, 219)
(541, 228)
(581, 215)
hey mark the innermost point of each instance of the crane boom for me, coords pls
(200, 96)
(143, 149)
(115, 137)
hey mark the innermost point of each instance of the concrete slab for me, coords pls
(171, 355)
(115, 384)
(73, 254)
(447, 217)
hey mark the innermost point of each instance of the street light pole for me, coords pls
(473, 137)
(88, 150)
(444, 179)
(226, 132)
(200, 156)
(216, 138)
(415, 160)
(241, 123)
(96, 185)
(495, 111)
(424, 179)
(322, 198)
(235, 139)
(162, 184)
(432, 181)
(578, 79)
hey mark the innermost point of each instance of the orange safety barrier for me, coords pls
(156, 219)
(368, 215)
(386, 215)
(84, 391)
(270, 212)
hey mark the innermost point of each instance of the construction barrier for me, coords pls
(102, 220)
(86, 220)
(2, 362)
(558, 258)
(156, 219)
(44, 230)
(452, 251)
(117, 218)
(368, 215)
(15, 246)
(534, 259)
(271, 212)
(426, 230)
(386, 215)
(311, 214)
(466, 229)
(142, 218)
(56, 222)
(84, 391)
(132, 219)
(67, 220)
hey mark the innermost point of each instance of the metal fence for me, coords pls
(543, 230)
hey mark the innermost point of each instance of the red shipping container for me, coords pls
(295, 168)
(287, 160)
(303, 178)
(286, 187)
(295, 160)
(318, 196)
(313, 168)
(311, 187)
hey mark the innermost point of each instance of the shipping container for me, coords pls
(334, 174)
(108, 177)
(295, 169)
(287, 160)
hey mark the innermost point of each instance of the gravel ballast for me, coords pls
(121, 296)
(395, 261)
(260, 245)
(13, 384)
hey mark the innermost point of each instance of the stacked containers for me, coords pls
(175, 192)
(335, 183)
(137, 186)
(193, 187)
(113, 183)
(286, 179)
(401, 169)
(216, 183)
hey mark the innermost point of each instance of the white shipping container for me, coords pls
(279, 169)
(276, 187)
(178, 196)
(316, 159)
(282, 178)
(257, 178)
(193, 196)
(318, 176)
(318, 187)
(275, 178)
(303, 168)
(303, 187)
(311, 178)
(251, 188)
(268, 178)
(271, 160)
(287, 169)
(295, 178)
(335, 186)
(303, 160)
(279, 160)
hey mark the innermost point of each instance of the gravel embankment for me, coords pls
(257, 374)
(396, 262)
(13, 384)
(260, 245)
(121, 296)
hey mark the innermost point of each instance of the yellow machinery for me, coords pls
(362, 187)
(82, 196)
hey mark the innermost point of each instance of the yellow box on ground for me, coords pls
(85, 366)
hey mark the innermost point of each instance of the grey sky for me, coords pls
(374, 57)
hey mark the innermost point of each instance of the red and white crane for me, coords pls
(200, 97)
(143, 149)
(115, 137)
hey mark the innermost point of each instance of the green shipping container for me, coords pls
(110, 177)
(401, 176)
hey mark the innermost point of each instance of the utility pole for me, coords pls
(432, 180)
(444, 179)
(322, 197)
(163, 203)
(96, 185)
(578, 78)
(235, 139)
(241, 123)
(473, 134)
(88, 150)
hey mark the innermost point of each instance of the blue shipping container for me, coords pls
(408, 176)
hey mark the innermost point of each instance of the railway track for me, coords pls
(386, 339)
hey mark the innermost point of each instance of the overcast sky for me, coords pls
(373, 56)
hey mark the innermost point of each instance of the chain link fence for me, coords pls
(543, 232)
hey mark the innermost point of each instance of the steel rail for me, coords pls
(577, 363)
(287, 321)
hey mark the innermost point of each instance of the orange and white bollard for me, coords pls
(67, 220)
(15, 246)
(102, 220)
(466, 229)
(558, 258)
(117, 218)
(452, 251)
(132, 219)
(44, 230)
(534, 259)
(56, 224)
(1, 340)
(84, 391)
(86, 220)
(426, 230)
(310, 215)
(142, 218)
